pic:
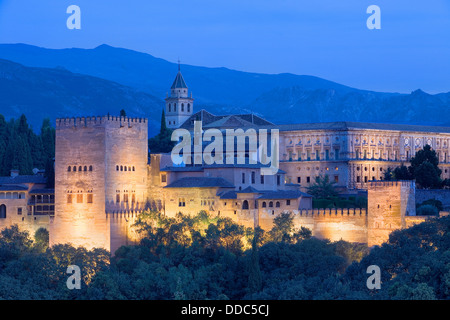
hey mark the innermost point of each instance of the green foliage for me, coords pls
(162, 142)
(424, 169)
(337, 202)
(403, 173)
(41, 239)
(323, 188)
(433, 202)
(22, 149)
(427, 210)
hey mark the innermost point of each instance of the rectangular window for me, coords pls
(90, 198)
(19, 211)
(278, 180)
(290, 155)
(358, 179)
(336, 178)
(288, 202)
(327, 154)
(336, 154)
(308, 155)
(69, 198)
(243, 177)
(79, 198)
(181, 202)
(163, 178)
(299, 179)
(308, 179)
(262, 179)
(133, 198)
(125, 198)
(357, 154)
(253, 177)
(365, 154)
(317, 155)
(117, 197)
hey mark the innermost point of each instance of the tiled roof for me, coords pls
(249, 189)
(283, 194)
(42, 191)
(210, 120)
(200, 182)
(179, 82)
(23, 179)
(228, 195)
(346, 125)
(12, 188)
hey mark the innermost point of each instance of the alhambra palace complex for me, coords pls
(105, 178)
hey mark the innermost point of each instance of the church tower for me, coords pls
(179, 106)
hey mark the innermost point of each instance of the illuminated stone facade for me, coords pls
(352, 153)
(101, 174)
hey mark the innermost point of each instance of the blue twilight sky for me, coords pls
(324, 38)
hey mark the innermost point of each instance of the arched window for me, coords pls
(189, 107)
(169, 108)
(129, 168)
(85, 168)
(133, 168)
(121, 168)
(79, 168)
(264, 204)
(174, 107)
(2, 211)
(74, 168)
(245, 205)
(125, 169)
(117, 168)
(69, 169)
(90, 168)
(270, 204)
(277, 204)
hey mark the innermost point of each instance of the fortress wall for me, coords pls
(333, 224)
(126, 156)
(389, 202)
(26, 223)
(80, 222)
(441, 195)
(122, 230)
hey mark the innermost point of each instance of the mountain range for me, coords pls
(52, 83)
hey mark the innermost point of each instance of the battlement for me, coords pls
(331, 212)
(397, 183)
(95, 121)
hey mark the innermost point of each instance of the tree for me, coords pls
(323, 188)
(50, 173)
(403, 173)
(254, 276)
(425, 168)
(123, 113)
(162, 143)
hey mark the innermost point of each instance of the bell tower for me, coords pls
(179, 106)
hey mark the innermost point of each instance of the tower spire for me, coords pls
(179, 65)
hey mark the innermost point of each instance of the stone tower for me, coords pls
(100, 175)
(389, 205)
(179, 106)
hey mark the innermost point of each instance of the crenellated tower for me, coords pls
(179, 106)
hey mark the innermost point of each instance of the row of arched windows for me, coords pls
(182, 107)
(125, 168)
(79, 168)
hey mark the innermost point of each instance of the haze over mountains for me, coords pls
(81, 82)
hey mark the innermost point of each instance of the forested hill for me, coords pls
(144, 81)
